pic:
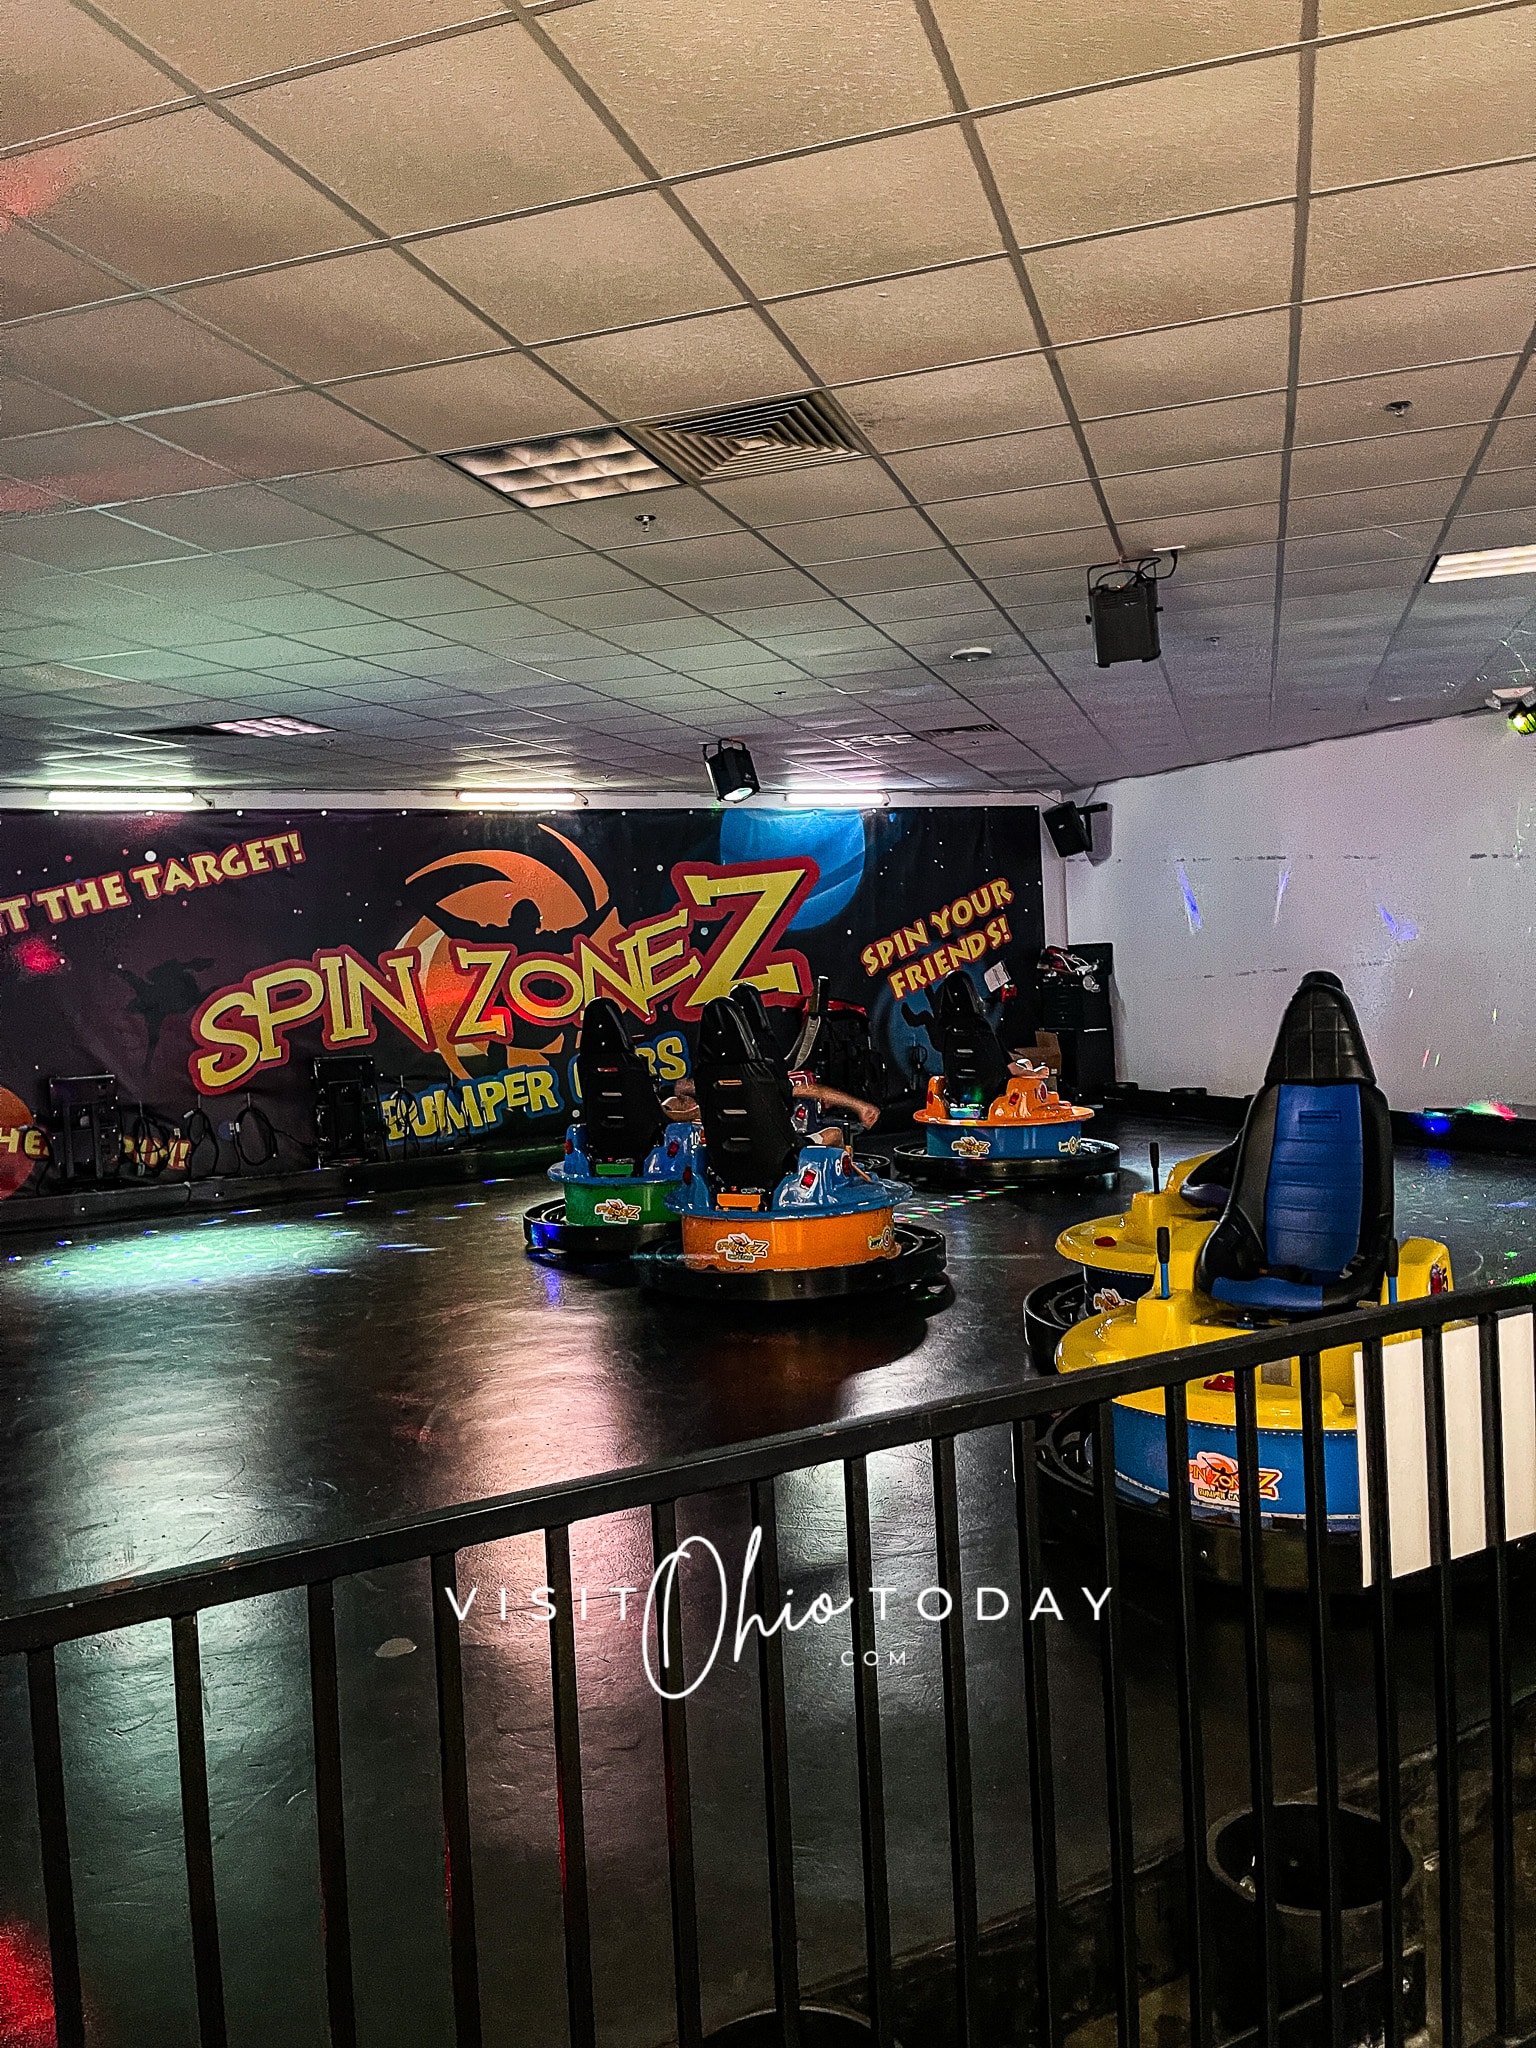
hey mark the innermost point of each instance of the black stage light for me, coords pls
(731, 771)
(1123, 609)
(1071, 827)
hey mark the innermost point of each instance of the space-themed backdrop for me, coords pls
(205, 958)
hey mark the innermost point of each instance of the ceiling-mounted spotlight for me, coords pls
(1123, 608)
(731, 771)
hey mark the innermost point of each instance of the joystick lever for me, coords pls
(1162, 1261)
(1391, 1269)
(1155, 1154)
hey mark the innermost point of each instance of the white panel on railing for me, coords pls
(1517, 1377)
(1407, 1447)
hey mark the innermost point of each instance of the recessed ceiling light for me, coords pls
(153, 800)
(565, 469)
(522, 799)
(268, 728)
(1398, 407)
(971, 654)
(1483, 562)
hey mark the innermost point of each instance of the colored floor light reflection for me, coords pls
(1191, 907)
(26, 1990)
(168, 1260)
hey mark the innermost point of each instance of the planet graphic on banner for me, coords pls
(833, 839)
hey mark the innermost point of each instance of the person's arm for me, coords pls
(834, 1098)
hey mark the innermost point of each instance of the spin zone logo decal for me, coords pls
(727, 925)
(1213, 1480)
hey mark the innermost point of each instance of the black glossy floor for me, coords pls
(179, 1392)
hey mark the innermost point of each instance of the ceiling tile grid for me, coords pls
(1079, 288)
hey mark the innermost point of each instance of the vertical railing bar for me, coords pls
(1122, 1837)
(1388, 1768)
(1500, 1722)
(687, 1992)
(1037, 1714)
(197, 1832)
(53, 1831)
(1261, 1759)
(1324, 1725)
(866, 1718)
(575, 1904)
(1191, 1737)
(1447, 1754)
(330, 1816)
(775, 1734)
(957, 1742)
(458, 1861)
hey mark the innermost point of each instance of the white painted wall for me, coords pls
(1310, 858)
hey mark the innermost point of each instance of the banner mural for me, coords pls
(205, 960)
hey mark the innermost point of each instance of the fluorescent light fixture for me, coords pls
(152, 800)
(564, 469)
(522, 799)
(273, 728)
(1483, 562)
(815, 796)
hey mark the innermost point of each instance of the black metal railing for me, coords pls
(1025, 1410)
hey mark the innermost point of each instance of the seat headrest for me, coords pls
(604, 1033)
(1319, 1037)
(748, 998)
(726, 1036)
(959, 1003)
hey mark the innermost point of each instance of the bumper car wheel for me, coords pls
(1050, 1310)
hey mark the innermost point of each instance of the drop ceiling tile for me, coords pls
(935, 603)
(184, 196)
(821, 614)
(1339, 511)
(696, 86)
(829, 491)
(103, 465)
(391, 637)
(1512, 490)
(389, 494)
(82, 540)
(1241, 524)
(240, 515)
(1501, 529)
(1157, 277)
(280, 434)
(219, 50)
(610, 263)
(476, 544)
(1384, 459)
(1012, 395)
(492, 627)
(1007, 515)
(1179, 366)
(63, 71)
(343, 315)
(210, 581)
(684, 365)
(690, 561)
(1202, 487)
(1357, 406)
(563, 576)
(1432, 323)
(1191, 433)
(669, 515)
(134, 357)
(726, 594)
(911, 323)
(361, 128)
(1013, 49)
(832, 540)
(622, 608)
(1450, 92)
(1430, 228)
(1025, 555)
(488, 399)
(416, 597)
(899, 203)
(1513, 444)
(1367, 544)
(1122, 158)
(333, 564)
(856, 575)
(26, 408)
(1002, 462)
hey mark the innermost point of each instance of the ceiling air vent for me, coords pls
(747, 440)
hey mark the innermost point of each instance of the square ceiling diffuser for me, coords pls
(749, 440)
(564, 469)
